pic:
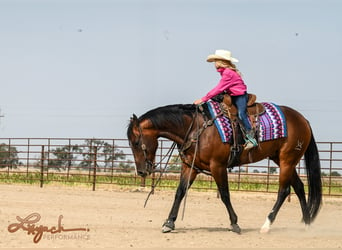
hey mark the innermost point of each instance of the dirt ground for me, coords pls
(114, 218)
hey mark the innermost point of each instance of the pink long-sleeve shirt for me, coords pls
(231, 82)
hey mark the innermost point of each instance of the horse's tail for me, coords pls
(313, 171)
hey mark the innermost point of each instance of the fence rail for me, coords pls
(110, 161)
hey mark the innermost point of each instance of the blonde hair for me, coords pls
(227, 64)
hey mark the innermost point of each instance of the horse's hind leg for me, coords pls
(282, 194)
(283, 191)
(169, 224)
(298, 187)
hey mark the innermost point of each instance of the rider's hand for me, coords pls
(199, 101)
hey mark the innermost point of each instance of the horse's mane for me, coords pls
(170, 114)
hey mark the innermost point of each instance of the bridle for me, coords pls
(151, 168)
(148, 163)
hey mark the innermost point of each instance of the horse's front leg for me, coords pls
(169, 224)
(221, 178)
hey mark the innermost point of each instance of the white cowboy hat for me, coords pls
(221, 54)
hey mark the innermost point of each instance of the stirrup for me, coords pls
(250, 141)
(253, 141)
(248, 145)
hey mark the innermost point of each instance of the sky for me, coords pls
(81, 68)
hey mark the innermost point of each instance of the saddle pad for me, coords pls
(222, 122)
(272, 123)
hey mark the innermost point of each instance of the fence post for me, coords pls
(268, 175)
(48, 157)
(69, 160)
(7, 157)
(330, 166)
(112, 162)
(143, 182)
(28, 157)
(42, 167)
(95, 166)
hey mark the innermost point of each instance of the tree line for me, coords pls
(108, 156)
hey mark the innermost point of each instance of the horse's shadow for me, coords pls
(213, 229)
(243, 231)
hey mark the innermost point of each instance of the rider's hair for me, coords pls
(227, 64)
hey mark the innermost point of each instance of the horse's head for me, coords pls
(144, 144)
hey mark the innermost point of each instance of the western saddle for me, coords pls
(254, 109)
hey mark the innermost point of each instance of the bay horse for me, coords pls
(181, 124)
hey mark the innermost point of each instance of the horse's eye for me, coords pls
(134, 144)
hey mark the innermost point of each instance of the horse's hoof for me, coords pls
(264, 230)
(168, 226)
(266, 227)
(166, 229)
(235, 228)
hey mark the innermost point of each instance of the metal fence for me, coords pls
(95, 161)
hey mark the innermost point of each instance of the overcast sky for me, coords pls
(80, 68)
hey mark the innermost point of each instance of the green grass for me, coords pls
(202, 183)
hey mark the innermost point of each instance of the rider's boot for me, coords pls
(250, 140)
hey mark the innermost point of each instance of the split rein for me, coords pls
(185, 146)
(153, 185)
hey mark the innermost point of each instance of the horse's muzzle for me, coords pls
(142, 173)
(149, 168)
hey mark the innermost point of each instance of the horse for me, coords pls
(199, 144)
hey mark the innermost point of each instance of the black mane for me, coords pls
(170, 114)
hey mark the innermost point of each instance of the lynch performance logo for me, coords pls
(29, 224)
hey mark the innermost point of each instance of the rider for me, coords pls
(232, 83)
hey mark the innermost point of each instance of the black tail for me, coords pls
(313, 171)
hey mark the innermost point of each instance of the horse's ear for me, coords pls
(134, 118)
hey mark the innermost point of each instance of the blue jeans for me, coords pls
(240, 102)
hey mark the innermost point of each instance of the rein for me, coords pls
(151, 166)
(193, 162)
(186, 145)
(169, 154)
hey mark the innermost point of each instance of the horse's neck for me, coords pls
(173, 135)
(176, 134)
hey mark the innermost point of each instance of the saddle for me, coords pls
(254, 109)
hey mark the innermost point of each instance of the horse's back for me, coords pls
(298, 131)
(295, 121)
